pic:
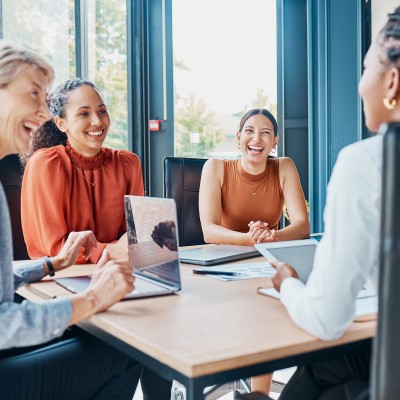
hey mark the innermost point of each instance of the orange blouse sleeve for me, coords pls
(45, 201)
(42, 204)
(134, 186)
(133, 176)
(133, 173)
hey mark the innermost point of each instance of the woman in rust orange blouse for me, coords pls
(73, 183)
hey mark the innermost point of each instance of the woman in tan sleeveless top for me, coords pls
(241, 201)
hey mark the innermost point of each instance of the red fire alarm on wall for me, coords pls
(154, 125)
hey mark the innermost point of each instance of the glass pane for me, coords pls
(379, 12)
(224, 65)
(47, 27)
(107, 63)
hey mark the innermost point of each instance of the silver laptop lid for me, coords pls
(152, 230)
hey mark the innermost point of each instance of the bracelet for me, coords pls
(50, 266)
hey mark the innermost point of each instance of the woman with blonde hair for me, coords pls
(39, 357)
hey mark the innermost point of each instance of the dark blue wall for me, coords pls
(329, 107)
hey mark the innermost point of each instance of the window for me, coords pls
(107, 66)
(224, 65)
(47, 27)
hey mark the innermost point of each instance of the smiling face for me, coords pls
(86, 121)
(256, 139)
(23, 110)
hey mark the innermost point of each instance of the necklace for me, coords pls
(86, 179)
(82, 163)
(259, 186)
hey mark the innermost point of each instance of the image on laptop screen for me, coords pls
(153, 239)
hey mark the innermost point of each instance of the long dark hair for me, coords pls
(256, 111)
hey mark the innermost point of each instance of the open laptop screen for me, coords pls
(153, 238)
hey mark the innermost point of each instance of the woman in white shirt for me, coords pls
(325, 306)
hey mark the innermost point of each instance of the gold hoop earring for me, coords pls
(389, 104)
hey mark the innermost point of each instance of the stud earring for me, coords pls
(389, 104)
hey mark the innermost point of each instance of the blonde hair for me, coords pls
(16, 60)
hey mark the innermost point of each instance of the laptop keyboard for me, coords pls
(168, 271)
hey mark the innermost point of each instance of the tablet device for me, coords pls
(298, 253)
(216, 254)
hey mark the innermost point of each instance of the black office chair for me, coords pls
(182, 183)
(386, 354)
(11, 177)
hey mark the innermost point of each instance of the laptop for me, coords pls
(217, 254)
(297, 253)
(153, 248)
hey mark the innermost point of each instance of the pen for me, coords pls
(213, 272)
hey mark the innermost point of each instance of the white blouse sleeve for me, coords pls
(347, 256)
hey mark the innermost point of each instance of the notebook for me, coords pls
(153, 248)
(217, 254)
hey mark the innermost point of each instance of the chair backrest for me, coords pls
(10, 177)
(386, 355)
(182, 183)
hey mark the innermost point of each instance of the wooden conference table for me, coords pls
(212, 332)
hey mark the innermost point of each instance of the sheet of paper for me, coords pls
(366, 303)
(248, 270)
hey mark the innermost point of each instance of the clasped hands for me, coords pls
(260, 233)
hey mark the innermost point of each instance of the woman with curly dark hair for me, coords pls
(87, 181)
(73, 183)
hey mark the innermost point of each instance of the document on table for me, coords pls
(248, 270)
(366, 303)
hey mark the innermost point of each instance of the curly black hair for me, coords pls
(48, 135)
(389, 36)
